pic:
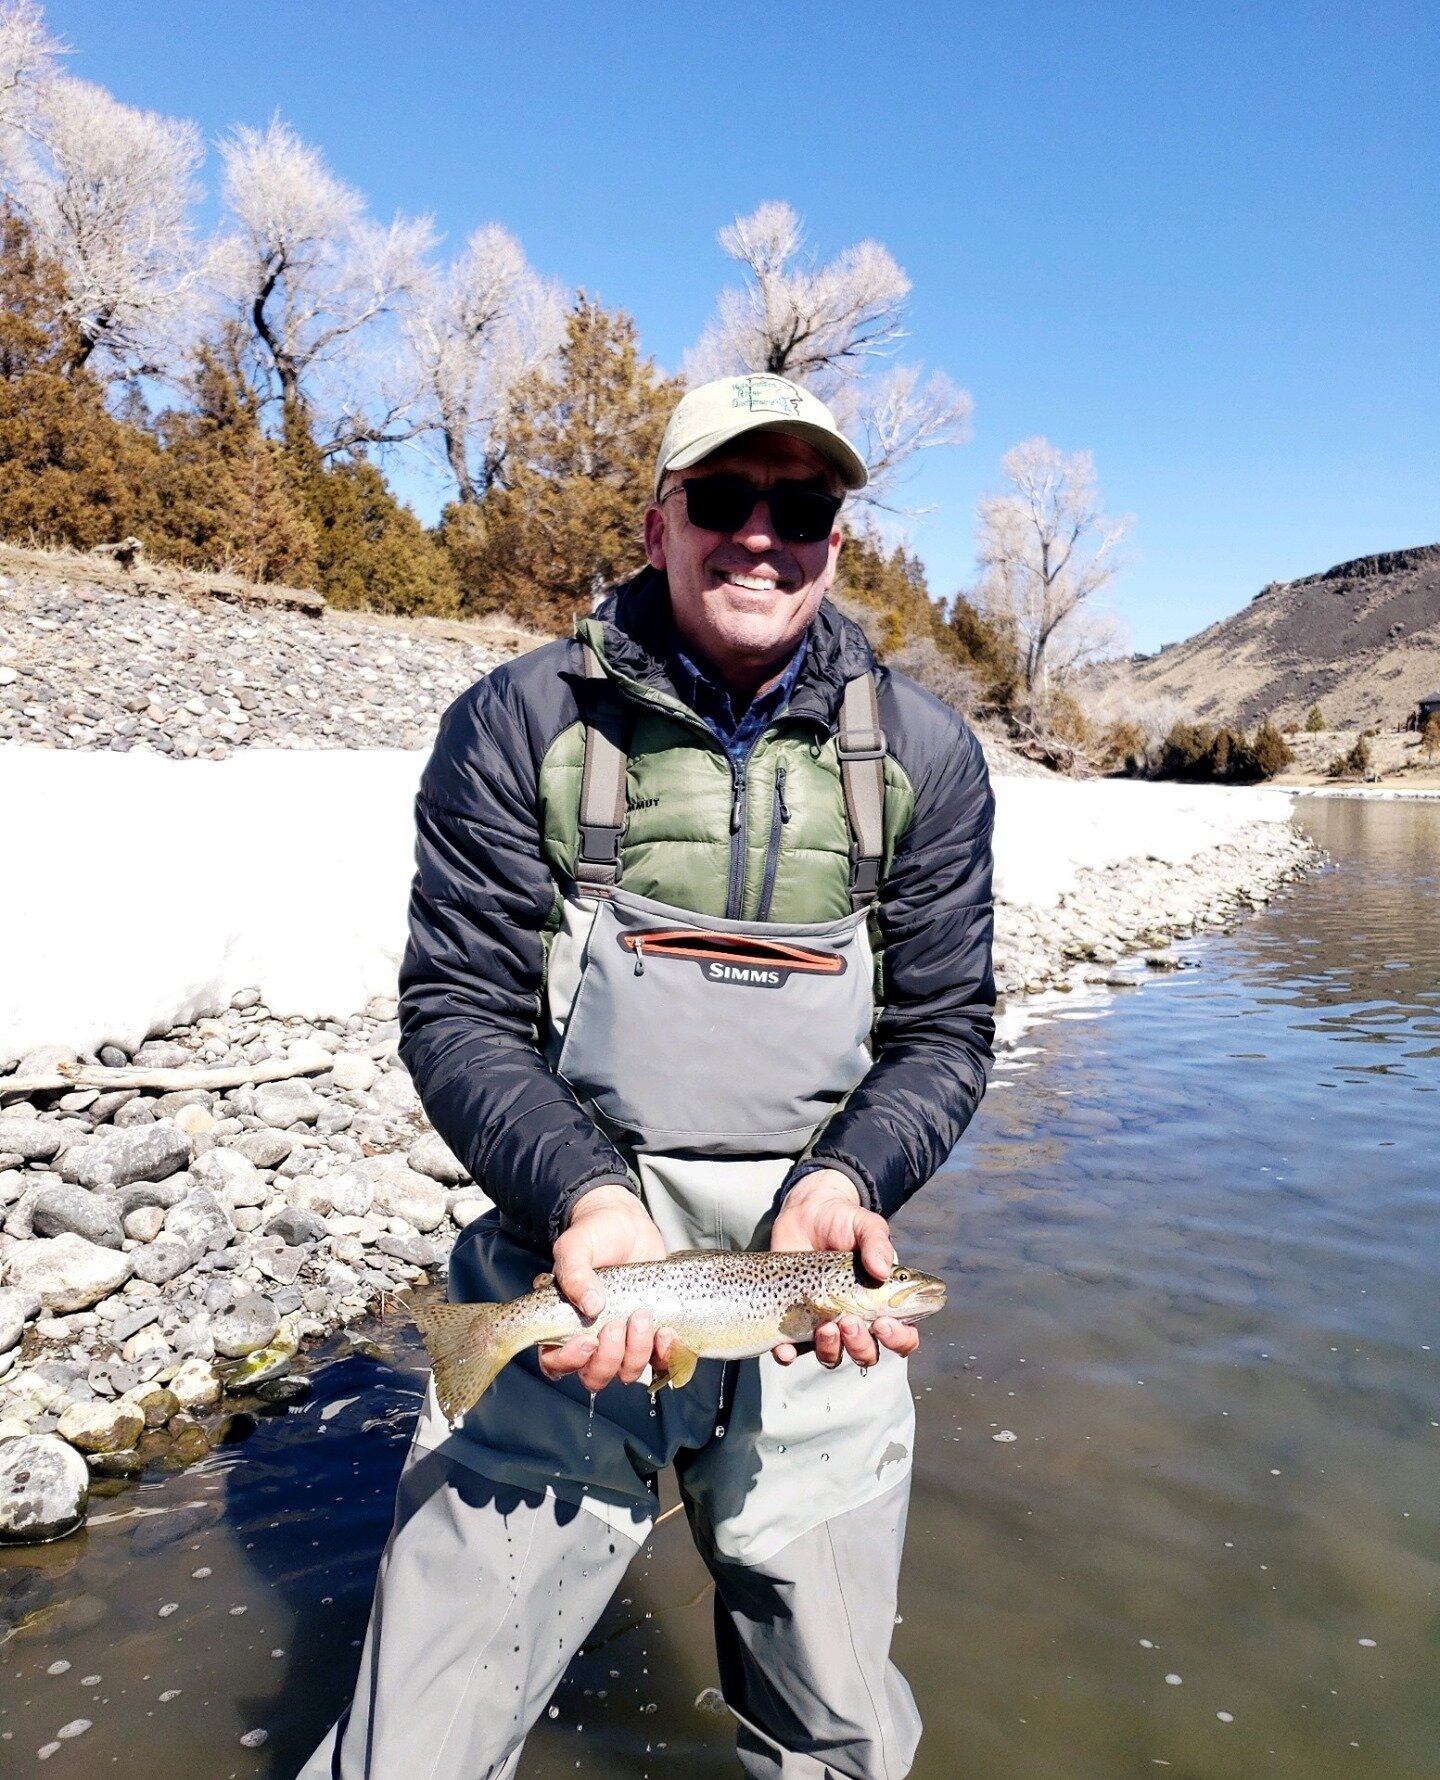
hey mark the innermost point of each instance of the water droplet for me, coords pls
(1174, 1680)
(253, 1739)
(1226, 1717)
(58, 1668)
(90, 1680)
(165, 1612)
(554, 1712)
(77, 1727)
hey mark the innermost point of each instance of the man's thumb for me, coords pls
(579, 1282)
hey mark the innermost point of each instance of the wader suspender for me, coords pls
(860, 744)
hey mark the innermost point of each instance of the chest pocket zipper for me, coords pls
(779, 815)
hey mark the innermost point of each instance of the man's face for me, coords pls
(743, 599)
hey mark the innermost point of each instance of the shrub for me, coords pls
(1353, 765)
(1314, 720)
(1185, 752)
(1122, 748)
(1269, 752)
(1430, 736)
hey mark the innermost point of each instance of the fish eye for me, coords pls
(899, 1273)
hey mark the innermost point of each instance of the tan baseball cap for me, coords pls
(716, 413)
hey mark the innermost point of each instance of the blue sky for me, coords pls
(1200, 241)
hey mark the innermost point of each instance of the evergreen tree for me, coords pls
(71, 474)
(579, 464)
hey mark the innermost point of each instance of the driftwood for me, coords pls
(98, 1075)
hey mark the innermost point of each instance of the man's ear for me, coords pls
(655, 536)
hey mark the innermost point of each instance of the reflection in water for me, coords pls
(1191, 1246)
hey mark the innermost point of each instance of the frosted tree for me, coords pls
(28, 55)
(1046, 549)
(835, 328)
(109, 191)
(474, 333)
(321, 287)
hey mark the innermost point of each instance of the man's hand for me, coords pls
(822, 1211)
(608, 1227)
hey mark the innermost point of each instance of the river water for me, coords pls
(1192, 1246)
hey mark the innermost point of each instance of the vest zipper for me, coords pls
(739, 826)
(780, 814)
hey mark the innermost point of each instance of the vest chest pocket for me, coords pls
(715, 1037)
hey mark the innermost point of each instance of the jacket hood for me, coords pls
(634, 632)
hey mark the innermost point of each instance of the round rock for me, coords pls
(251, 1322)
(44, 1485)
(296, 1228)
(33, 1140)
(433, 1156)
(67, 1272)
(402, 1193)
(161, 1260)
(63, 1207)
(142, 1152)
(102, 1427)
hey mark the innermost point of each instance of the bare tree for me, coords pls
(109, 191)
(1046, 549)
(473, 334)
(834, 328)
(320, 285)
(28, 54)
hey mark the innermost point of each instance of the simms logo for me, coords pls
(757, 976)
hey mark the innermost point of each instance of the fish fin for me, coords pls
(541, 1281)
(798, 1322)
(677, 1375)
(465, 1352)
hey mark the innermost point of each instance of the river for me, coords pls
(1176, 1503)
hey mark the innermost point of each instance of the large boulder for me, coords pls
(67, 1272)
(63, 1207)
(140, 1152)
(33, 1140)
(44, 1485)
(16, 1309)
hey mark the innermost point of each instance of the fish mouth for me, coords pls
(917, 1298)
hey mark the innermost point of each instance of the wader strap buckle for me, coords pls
(602, 785)
(861, 747)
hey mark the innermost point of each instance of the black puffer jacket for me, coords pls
(486, 894)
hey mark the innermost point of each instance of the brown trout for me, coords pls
(721, 1304)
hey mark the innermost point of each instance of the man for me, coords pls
(661, 869)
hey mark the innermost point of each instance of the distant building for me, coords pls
(1427, 708)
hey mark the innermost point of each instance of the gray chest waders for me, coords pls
(710, 1051)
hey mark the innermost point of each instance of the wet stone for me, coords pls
(43, 1488)
(251, 1323)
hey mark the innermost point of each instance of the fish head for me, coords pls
(906, 1296)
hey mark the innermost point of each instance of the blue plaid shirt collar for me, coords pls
(711, 702)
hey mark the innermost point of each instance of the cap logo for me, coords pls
(763, 394)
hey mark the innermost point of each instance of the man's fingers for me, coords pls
(639, 1345)
(785, 1353)
(877, 1254)
(559, 1362)
(604, 1364)
(829, 1349)
(900, 1338)
(858, 1341)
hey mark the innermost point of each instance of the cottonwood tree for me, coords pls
(109, 190)
(1046, 549)
(833, 327)
(476, 331)
(320, 286)
(28, 55)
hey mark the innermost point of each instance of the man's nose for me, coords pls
(758, 533)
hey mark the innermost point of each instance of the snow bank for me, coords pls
(1048, 829)
(139, 893)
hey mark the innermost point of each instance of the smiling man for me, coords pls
(699, 958)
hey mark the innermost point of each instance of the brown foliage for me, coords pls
(579, 467)
(70, 472)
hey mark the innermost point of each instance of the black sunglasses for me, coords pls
(800, 512)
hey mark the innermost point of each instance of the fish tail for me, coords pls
(468, 1346)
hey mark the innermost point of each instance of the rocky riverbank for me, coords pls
(164, 1247)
